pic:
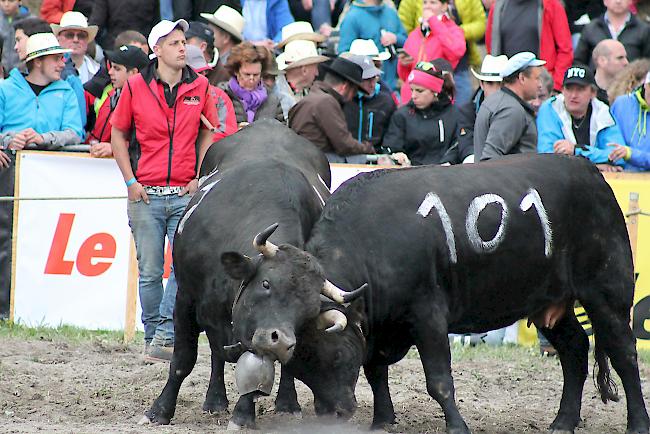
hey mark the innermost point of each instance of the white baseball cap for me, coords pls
(520, 61)
(163, 29)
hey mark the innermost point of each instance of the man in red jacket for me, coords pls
(162, 113)
(538, 26)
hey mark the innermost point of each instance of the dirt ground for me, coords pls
(91, 387)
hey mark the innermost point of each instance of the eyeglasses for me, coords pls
(82, 36)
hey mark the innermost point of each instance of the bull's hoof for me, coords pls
(215, 407)
(287, 406)
(380, 423)
(156, 419)
(560, 431)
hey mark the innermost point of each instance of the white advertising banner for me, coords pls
(72, 256)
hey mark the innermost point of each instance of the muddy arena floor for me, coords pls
(98, 386)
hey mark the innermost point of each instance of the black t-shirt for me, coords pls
(581, 128)
(519, 27)
(84, 6)
(36, 88)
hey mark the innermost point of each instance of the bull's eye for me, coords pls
(266, 284)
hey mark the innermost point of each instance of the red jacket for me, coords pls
(445, 40)
(103, 125)
(225, 111)
(164, 145)
(53, 10)
(555, 41)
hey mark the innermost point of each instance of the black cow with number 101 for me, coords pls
(468, 249)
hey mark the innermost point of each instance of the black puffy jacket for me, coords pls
(115, 16)
(423, 135)
(368, 117)
(634, 37)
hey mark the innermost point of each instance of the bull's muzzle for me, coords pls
(275, 342)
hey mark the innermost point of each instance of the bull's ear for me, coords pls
(238, 266)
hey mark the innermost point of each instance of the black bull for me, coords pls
(263, 174)
(469, 249)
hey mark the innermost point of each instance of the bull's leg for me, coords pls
(614, 337)
(215, 398)
(183, 361)
(287, 399)
(572, 345)
(430, 333)
(383, 412)
(243, 416)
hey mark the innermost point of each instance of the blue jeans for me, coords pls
(149, 225)
(166, 10)
(464, 90)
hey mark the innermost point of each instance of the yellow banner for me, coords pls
(623, 184)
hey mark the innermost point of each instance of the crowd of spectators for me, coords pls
(404, 80)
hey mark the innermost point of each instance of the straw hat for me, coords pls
(43, 44)
(299, 30)
(300, 53)
(73, 20)
(367, 47)
(228, 19)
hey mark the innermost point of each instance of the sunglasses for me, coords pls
(82, 36)
(425, 66)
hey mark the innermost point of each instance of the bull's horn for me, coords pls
(333, 321)
(338, 295)
(263, 246)
(232, 352)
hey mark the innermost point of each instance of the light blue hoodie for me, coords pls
(631, 113)
(55, 109)
(366, 22)
(554, 123)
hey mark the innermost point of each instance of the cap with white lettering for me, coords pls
(579, 74)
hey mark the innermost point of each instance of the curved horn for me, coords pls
(333, 321)
(338, 295)
(263, 246)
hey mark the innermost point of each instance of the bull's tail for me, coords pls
(602, 378)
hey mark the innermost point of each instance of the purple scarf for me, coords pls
(251, 99)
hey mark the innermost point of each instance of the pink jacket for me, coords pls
(445, 40)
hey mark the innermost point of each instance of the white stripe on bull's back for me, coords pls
(475, 207)
(431, 200)
(204, 191)
(319, 196)
(323, 182)
(208, 176)
(533, 198)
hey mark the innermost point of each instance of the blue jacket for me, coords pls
(631, 114)
(55, 109)
(366, 22)
(278, 15)
(554, 123)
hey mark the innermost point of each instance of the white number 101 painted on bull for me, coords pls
(478, 204)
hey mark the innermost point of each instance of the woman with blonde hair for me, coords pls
(628, 79)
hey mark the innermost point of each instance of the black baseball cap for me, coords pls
(202, 31)
(579, 74)
(129, 56)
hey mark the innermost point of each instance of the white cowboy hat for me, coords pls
(491, 68)
(367, 47)
(300, 53)
(299, 30)
(228, 19)
(76, 21)
(43, 44)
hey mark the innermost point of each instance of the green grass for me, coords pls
(62, 333)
